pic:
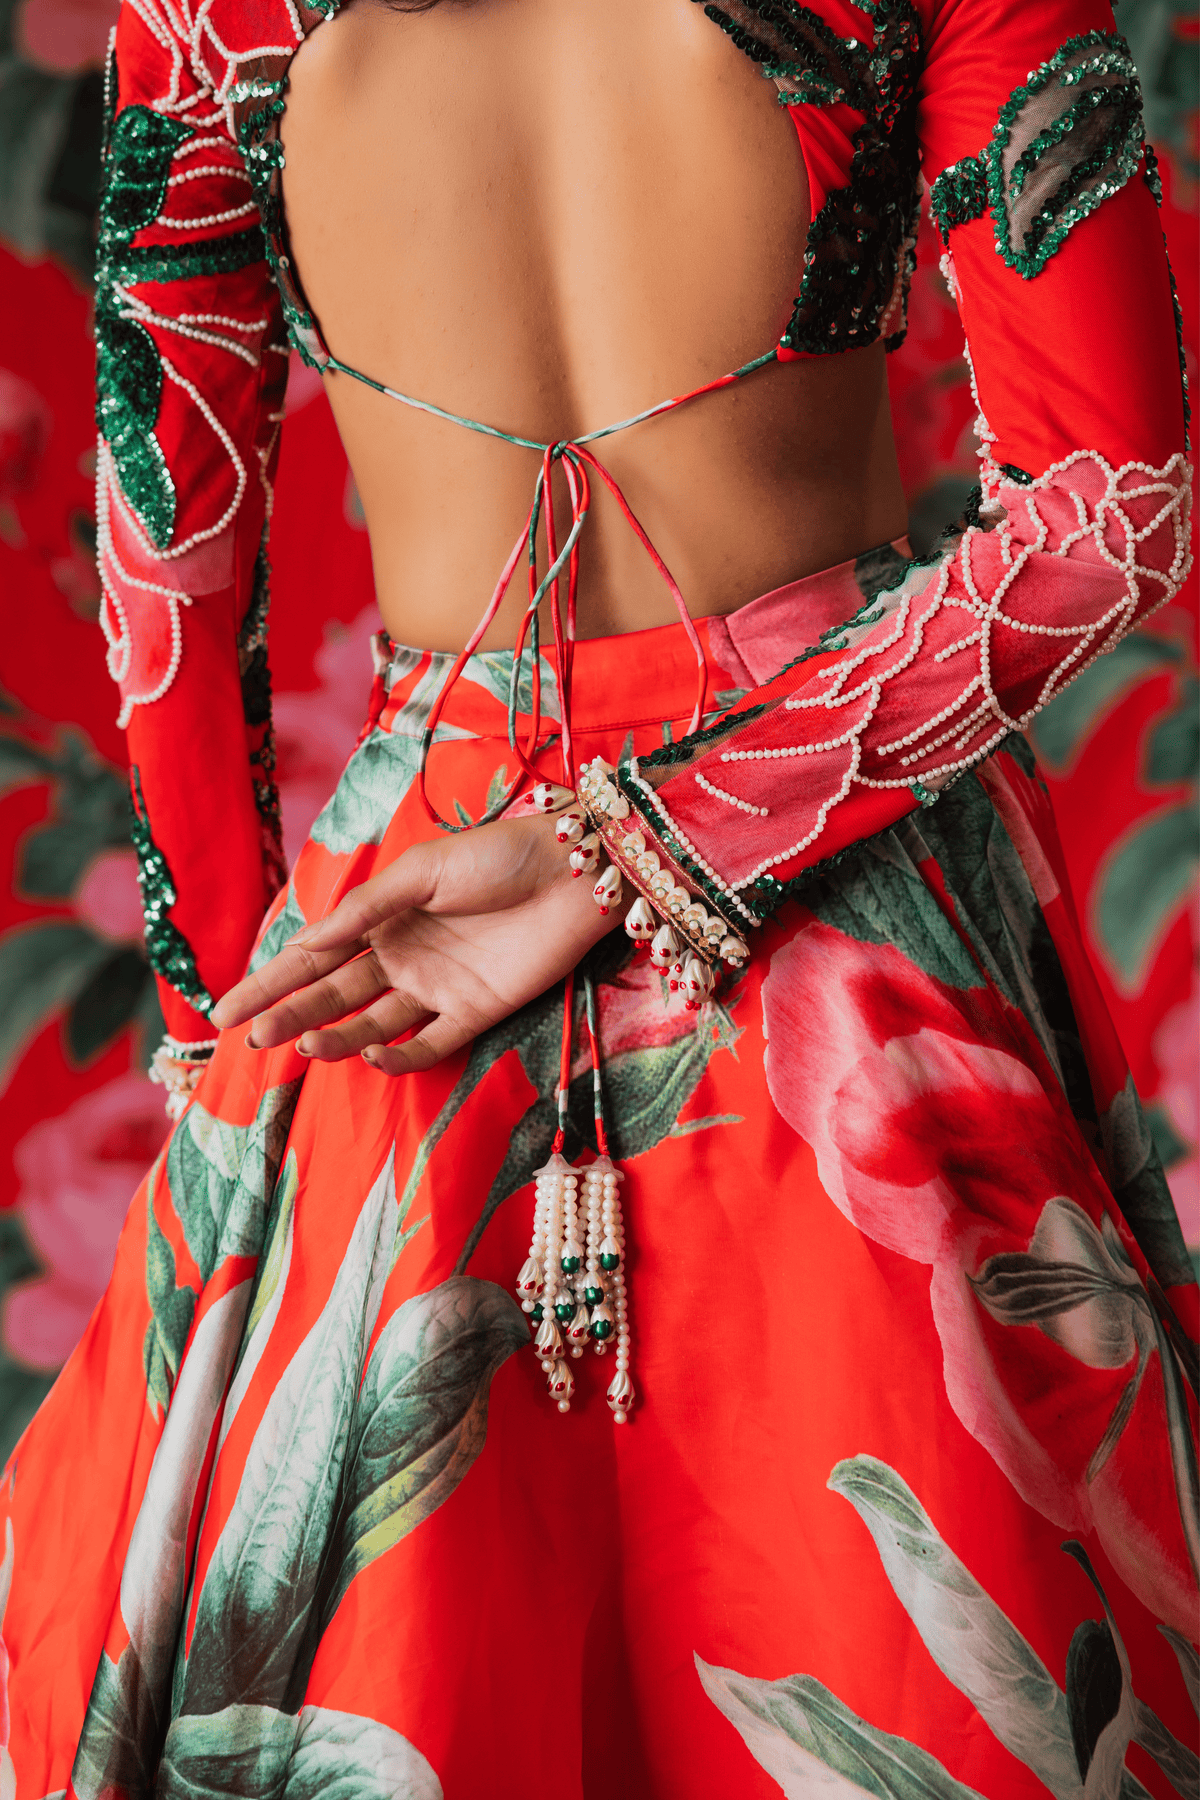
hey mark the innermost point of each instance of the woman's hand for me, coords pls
(458, 932)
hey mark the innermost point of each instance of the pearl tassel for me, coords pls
(604, 1282)
(554, 1249)
(572, 1283)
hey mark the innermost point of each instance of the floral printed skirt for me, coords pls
(907, 1502)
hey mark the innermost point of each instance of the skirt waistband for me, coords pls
(643, 677)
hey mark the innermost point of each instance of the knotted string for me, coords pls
(575, 458)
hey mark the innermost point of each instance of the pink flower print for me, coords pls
(78, 1173)
(939, 1133)
(108, 898)
(65, 36)
(25, 425)
(1177, 1052)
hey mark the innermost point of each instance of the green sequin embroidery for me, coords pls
(1062, 145)
(860, 245)
(262, 155)
(128, 393)
(168, 951)
(185, 262)
(256, 709)
(1154, 183)
(139, 146)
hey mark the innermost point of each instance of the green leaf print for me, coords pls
(492, 669)
(171, 1308)
(1140, 1187)
(997, 908)
(253, 1610)
(256, 1753)
(270, 1283)
(1118, 1718)
(42, 968)
(127, 1711)
(221, 1176)
(647, 1083)
(1061, 730)
(421, 1418)
(287, 921)
(118, 1750)
(1189, 1664)
(380, 772)
(1142, 887)
(811, 1743)
(878, 896)
(970, 1639)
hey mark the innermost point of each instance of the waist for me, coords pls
(640, 678)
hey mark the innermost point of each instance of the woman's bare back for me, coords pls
(549, 214)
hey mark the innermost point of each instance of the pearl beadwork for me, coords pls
(586, 854)
(664, 948)
(573, 1280)
(640, 920)
(607, 891)
(549, 797)
(697, 982)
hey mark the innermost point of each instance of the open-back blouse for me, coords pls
(1025, 123)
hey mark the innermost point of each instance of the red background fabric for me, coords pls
(79, 1120)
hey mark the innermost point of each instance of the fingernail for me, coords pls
(250, 1043)
(369, 1056)
(301, 937)
(301, 1051)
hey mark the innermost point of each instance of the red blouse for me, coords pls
(1024, 120)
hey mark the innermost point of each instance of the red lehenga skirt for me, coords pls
(907, 1502)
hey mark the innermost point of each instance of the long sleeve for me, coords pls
(1029, 123)
(191, 368)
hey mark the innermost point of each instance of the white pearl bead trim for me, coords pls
(893, 637)
(755, 812)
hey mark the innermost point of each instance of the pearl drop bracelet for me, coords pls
(684, 938)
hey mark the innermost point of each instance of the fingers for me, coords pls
(345, 990)
(402, 884)
(388, 1018)
(440, 1038)
(294, 967)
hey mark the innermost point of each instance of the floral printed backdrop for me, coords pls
(79, 1119)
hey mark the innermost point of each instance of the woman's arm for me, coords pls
(1032, 140)
(191, 368)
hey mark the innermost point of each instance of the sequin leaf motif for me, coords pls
(129, 374)
(1063, 143)
(168, 951)
(141, 145)
(129, 381)
(858, 258)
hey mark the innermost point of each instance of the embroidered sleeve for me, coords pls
(190, 366)
(1081, 524)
